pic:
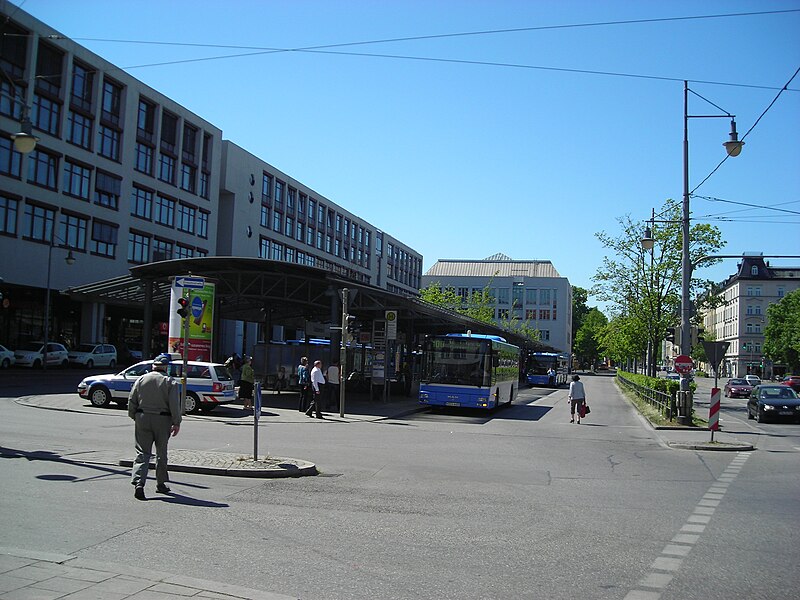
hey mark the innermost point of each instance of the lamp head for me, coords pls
(70, 258)
(25, 141)
(733, 146)
(647, 241)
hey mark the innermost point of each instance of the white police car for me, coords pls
(207, 385)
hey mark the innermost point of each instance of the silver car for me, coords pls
(93, 355)
(32, 355)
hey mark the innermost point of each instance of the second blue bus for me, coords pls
(546, 368)
(468, 371)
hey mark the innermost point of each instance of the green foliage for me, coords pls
(782, 334)
(644, 288)
(588, 343)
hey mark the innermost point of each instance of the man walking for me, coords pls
(155, 407)
(317, 383)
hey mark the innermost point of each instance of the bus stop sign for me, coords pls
(683, 364)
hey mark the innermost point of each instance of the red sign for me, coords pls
(683, 364)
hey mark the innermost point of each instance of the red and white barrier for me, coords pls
(713, 410)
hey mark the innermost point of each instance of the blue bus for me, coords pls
(539, 364)
(469, 371)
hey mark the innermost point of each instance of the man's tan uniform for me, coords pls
(155, 406)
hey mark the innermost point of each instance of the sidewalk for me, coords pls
(28, 574)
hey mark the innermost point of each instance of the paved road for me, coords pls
(516, 504)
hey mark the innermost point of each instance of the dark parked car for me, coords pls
(737, 388)
(793, 381)
(774, 402)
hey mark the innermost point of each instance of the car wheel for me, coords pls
(192, 405)
(6, 363)
(89, 363)
(99, 397)
(112, 364)
(64, 363)
(749, 414)
(760, 416)
(37, 364)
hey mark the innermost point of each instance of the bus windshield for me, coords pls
(456, 361)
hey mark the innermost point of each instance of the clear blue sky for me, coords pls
(464, 160)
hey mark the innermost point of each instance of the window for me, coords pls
(278, 192)
(200, 252)
(204, 180)
(300, 229)
(72, 231)
(146, 121)
(290, 200)
(104, 239)
(111, 102)
(42, 169)
(82, 87)
(169, 133)
(517, 294)
(463, 293)
(141, 203)
(138, 247)
(162, 250)
(166, 168)
(263, 247)
(544, 314)
(781, 291)
(39, 222)
(183, 251)
(46, 114)
(544, 335)
(319, 240)
(290, 255)
(76, 180)
(144, 159)
(544, 298)
(530, 314)
(8, 215)
(10, 159)
(164, 211)
(80, 130)
(186, 217)
(502, 295)
(754, 270)
(264, 221)
(202, 223)
(266, 186)
(338, 222)
(277, 221)
(301, 206)
(189, 148)
(9, 105)
(309, 236)
(328, 244)
(277, 251)
(107, 190)
(289, 229)
(49, 64)
(109, 143)
(188, 177)
(502, 313)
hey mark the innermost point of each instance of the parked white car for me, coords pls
(753, 380)
(32, 355)
(6, 357)
(93, 355)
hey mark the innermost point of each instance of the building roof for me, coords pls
(497, 265)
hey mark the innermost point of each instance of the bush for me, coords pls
(668, 386)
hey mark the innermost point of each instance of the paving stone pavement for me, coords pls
(33, 575)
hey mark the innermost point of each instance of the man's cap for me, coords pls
(161, 359)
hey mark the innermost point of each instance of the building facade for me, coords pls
(528, 291)
(742, 315)
(122, 175)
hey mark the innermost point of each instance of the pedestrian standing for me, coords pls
(304, 381)
(577, 398)
(247, 382)
(155, 407)
(317, 384)
(333, 380)
(280, 380)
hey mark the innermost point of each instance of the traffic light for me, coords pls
(183, 311)
(352, 330)
(670, 335)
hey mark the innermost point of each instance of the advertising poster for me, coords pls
(201, 321)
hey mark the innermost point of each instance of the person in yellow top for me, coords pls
(247, 382)
(155, 407)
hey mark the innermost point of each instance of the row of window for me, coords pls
(42, 224)
(77, 179)
(272, 250)
(532, 297)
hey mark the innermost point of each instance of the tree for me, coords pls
(782, 333)
(588, 339)
(476, 305)
(645, 286)
(579, 308)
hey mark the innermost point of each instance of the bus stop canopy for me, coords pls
(260, 290)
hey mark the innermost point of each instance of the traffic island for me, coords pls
(233, 465)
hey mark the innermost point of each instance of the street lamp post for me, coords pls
(733, 147)
(70, 260)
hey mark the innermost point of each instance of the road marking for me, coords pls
(663, 568)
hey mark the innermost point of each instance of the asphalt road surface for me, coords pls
(518, 503)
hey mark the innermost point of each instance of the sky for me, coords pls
(467, 128)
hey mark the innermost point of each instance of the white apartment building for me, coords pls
(742, 315)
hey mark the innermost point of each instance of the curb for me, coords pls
(712, 446)
(233, 465)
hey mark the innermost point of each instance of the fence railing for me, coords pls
(662, 401)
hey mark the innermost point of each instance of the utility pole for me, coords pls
(343, 350)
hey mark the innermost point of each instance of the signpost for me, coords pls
(683, 364)
(192, 283)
